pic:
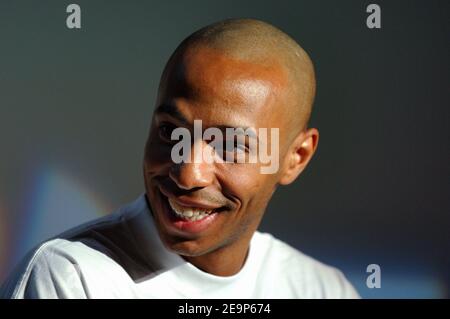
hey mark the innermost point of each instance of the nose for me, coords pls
(194, 173)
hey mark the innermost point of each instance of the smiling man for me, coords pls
(193, 234)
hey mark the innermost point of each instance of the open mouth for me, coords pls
(189, 219)
(189, 213)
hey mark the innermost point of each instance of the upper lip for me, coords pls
(189, 202)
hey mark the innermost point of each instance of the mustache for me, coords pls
(200, 194)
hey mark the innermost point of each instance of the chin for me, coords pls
(188, 248)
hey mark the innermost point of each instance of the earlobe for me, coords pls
(302, 150)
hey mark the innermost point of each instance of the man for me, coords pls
(193, 233)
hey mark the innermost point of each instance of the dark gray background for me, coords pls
(377, 190)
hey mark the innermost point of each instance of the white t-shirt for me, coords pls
(122, 256)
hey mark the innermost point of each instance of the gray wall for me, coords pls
(75, 107)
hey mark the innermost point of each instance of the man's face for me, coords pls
(221, 91)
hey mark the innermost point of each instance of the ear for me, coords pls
(299, 154)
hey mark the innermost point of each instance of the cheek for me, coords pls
(254, 190)
(248, 184)
(157, 154)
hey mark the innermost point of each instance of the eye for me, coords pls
(233, 149)
(240, 147)
(165, 131)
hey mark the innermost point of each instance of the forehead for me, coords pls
(210, 85)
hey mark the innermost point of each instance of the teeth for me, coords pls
(189, 213)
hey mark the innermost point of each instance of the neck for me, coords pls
(224, 261)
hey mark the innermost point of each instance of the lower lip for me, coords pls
(184, 225)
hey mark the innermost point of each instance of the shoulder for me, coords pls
(69, 265)
(45, 273)
(304, 275)
(57, 267)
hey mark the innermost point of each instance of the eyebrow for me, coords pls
(237, 131)
(172, 110)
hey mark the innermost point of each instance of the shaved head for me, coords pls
(237, 73)
(259, 43)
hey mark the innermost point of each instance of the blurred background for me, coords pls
(75, 106)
